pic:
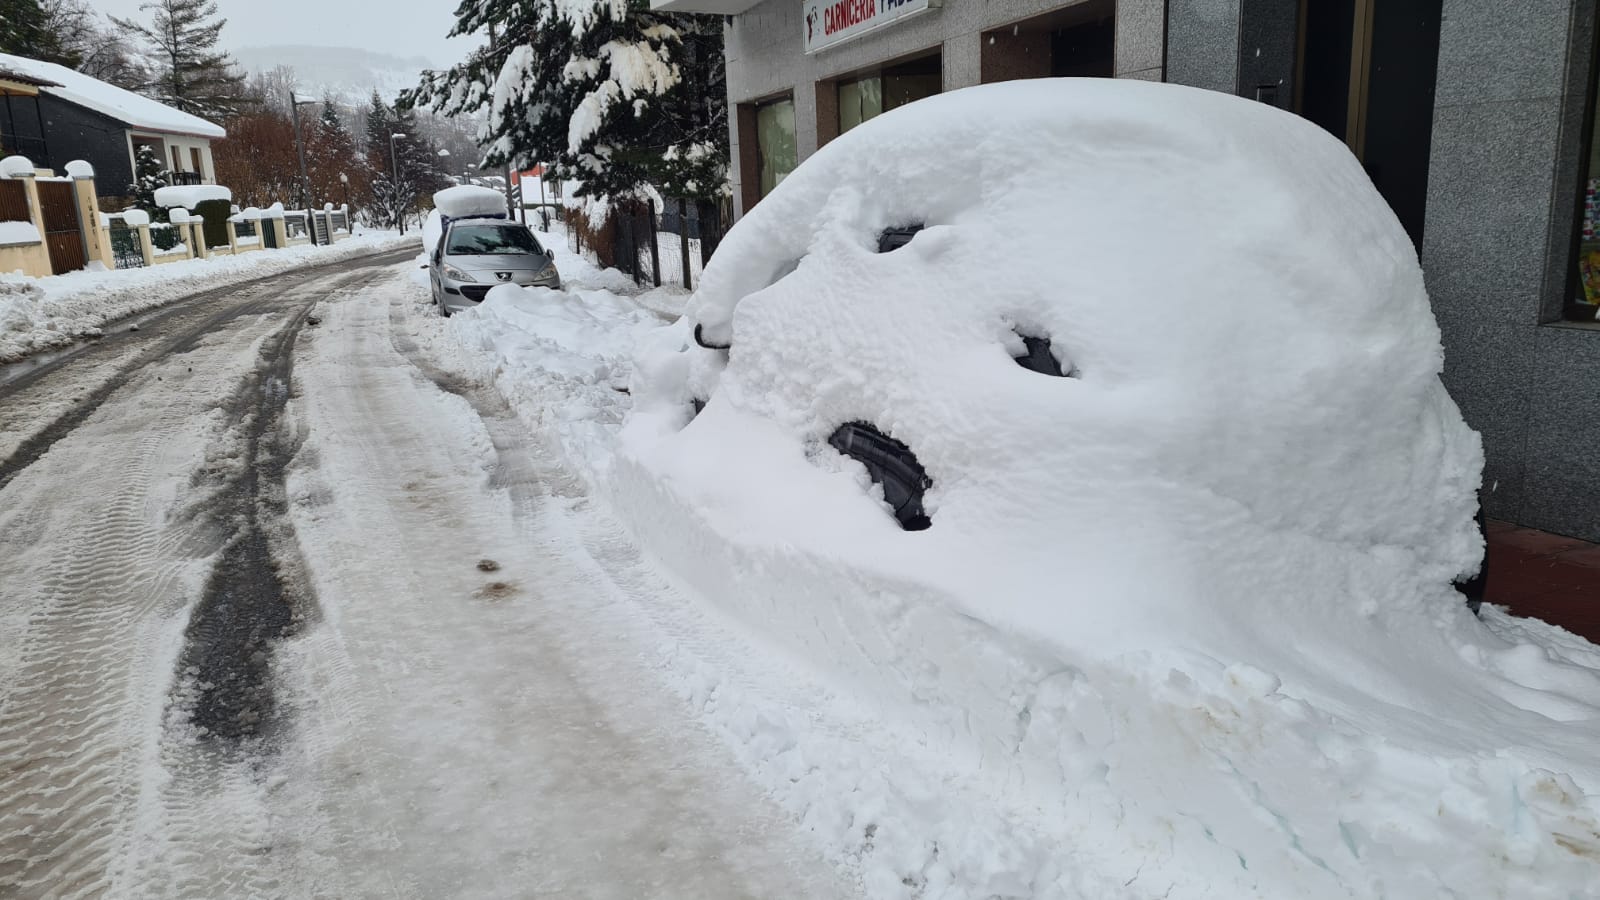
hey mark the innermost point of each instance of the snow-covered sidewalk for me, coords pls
(38, 314)
(470, 720)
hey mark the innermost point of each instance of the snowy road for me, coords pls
(286, 612)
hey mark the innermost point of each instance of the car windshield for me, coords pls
(477, 240)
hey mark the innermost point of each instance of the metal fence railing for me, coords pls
(655, 246)
(125, 249)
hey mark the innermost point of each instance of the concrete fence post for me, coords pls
(145, 246)
(233, 237)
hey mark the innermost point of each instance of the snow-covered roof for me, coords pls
(108, 99)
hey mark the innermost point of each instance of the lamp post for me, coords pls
(300, 150)
(394, 156)
(344, 180)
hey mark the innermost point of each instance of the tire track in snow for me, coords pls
(102, 788)
(451, 738)
(174, 329)
(80, 702)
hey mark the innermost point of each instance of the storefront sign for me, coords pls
(831, 22)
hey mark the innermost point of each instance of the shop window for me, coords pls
(894, 86)
(1366, 73)
(1086, 51)
(1078, 41)
(777, 155)
(1583, 302)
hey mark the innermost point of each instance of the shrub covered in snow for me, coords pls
(1188, 587)
(189, 196)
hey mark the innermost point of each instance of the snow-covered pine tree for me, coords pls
(608, 93)
(149, 174)
(187, 70)
(419, 172)
(331, 152)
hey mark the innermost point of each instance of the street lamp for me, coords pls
(394, 155)
(345, 181)
(300, 150)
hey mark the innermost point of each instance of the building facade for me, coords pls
(1475, 120)
(73, 116)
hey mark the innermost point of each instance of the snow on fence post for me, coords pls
(96, 240)
(190, 232)
(20, 168)
(280, 232)
(139, 220)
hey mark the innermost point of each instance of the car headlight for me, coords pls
(455, 274)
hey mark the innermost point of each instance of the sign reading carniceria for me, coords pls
(831, 22)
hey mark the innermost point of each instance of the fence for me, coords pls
(14, 202)
(125, 248)
(668, 246)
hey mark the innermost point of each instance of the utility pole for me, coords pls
(300, 151)
(394, 156)
(305, 180)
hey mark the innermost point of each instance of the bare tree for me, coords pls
(100, 50)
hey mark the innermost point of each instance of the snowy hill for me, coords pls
(349, 74)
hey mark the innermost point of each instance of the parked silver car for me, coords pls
(474, 255)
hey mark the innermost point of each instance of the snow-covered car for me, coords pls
(474, 255)
(1092, 433)
(473, 245)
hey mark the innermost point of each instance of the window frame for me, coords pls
(1572, 311)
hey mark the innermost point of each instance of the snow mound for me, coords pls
(135, 217)
(13, 233)
(79, 169)
(1193, 592)
(432, 229)
(466, 200)
(16, 167)
(190, 195)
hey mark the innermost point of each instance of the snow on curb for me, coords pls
(38, 314)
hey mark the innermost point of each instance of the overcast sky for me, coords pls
(401, 27)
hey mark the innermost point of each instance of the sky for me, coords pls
(400, 27)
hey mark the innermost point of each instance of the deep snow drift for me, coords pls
(1187, 611)
(1183, 624)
